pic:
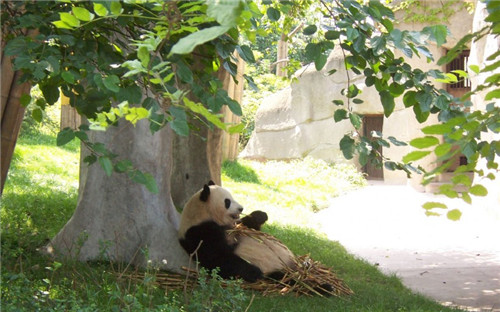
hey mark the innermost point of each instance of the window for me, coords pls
(460, 63)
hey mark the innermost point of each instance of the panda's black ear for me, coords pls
(211, 182)
(205, 193)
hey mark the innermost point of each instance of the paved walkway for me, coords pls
(456, 263)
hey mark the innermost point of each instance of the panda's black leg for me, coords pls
(255, 220)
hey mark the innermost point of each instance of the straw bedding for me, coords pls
(306, 277)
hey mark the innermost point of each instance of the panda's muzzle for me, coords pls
(236, 216)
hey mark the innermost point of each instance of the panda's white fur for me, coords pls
(197, 211)
(263, 251)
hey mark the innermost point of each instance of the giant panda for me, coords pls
(206, 232)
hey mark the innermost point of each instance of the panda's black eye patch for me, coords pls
(227, 202)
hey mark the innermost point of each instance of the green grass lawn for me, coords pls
(40, 196)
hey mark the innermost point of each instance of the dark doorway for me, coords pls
(373, 123)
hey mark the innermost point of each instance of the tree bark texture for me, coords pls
(198, 157)
(12, 112)
(119, 219)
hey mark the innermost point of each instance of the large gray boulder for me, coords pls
(298, 121)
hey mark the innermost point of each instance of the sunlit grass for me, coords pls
(290, 192)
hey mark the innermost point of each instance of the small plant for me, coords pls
(215, 294)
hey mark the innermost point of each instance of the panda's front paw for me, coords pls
(255, 220)
(252, 274)
(259, 216)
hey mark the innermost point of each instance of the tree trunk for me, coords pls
(198, 157)
(12, 112)
(192, 161)
(119, 219)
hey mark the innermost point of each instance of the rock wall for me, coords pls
(298, 121)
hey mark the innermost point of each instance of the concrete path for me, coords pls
(455, 263)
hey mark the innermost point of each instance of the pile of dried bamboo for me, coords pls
(309, 277)
(305, 277)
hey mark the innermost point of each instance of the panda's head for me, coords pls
(211, 203)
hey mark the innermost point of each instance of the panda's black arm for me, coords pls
(255, 220)
(215, 252)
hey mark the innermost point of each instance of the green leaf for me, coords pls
(415, 155)
(387, 102)
(396, 141)
(355, 120)
(100, 9)
(442, 149)
(180, 127)
(150, 183)
(111, 83)
(454, 215)
(65, 136)
(419, 113)
(238, 128)
(466, 198)
(448, 191)
(184, 73)
(246, 53)
(273, 14)
(478, 190)
(123, 166)
(437, 129)
(332, 35)
(187, 44)
(143, 56)
(347, 146)
(474, 68)
(338, 102)
(313, 50)
(432, 205)
(89, 160)
(116, 8)
(82, 14)
(495, 94)
(461, 179)
(68, 77)
(179, 124)
(396, 89)
(424, 142)
(106, 164)
(437, 33)
(379, 44)
(320, 61)
(309, 30)
(69, 19)
(200, 109)
(226, 13)
(62, 25)
(409, 99)
(25, 99)
(50, 92)
(37, 115)
(340, 114)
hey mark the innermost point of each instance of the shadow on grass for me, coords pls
(240, 173)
